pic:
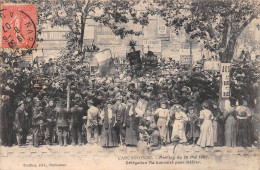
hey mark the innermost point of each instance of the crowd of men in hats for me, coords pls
(119, 109)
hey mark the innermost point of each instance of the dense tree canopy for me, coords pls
(217, 23)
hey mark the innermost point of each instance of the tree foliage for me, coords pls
(244, 81)
(217, 23)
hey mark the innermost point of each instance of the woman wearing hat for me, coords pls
(108, 134)
(230, 128)
(206, 130)
(243, 135)
(178, 127)
(163, 120)
(132, 124)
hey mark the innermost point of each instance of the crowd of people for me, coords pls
(120, 109)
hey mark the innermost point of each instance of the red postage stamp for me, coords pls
(18, 26)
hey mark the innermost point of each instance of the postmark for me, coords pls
(18, 26)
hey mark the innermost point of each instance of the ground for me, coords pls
(96, 157)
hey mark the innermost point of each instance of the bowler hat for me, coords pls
(176, 138)
(90, 102)
(62, 102)
(163, 102)
(109, 102)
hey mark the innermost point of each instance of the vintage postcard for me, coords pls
(129, 84)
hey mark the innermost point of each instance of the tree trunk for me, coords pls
(82, 31)
(191, 52)
(68, 95)
(226, 57)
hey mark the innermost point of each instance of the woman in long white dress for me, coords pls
(206, 130)
(178, 128)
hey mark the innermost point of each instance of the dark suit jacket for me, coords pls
(76, 116)
(20, 118)
(120, 111)
(106, 120)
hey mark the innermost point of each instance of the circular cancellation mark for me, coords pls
(18, 28)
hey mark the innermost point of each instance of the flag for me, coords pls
(105, 62)
(135, 62)
(134, 58)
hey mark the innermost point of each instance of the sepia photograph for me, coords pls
(129, 84)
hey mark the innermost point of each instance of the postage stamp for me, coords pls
(18, 26)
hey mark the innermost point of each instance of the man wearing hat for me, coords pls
(108, 135)
(120, 110)
(76, 122)
(20, 123)
(93, 114)
(50, 123)
(6, 121)
(62, 122)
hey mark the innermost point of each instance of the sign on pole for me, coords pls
(225, 79)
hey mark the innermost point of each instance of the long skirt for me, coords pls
(193, 131)
(218, 133)
(162, 129)
(206, 134)
(132, 134)
(215, 131)
(178, 129)
(243, 137)
(109, 137)
(230, 132)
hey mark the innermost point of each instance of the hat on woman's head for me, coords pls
(153, 126)
(90, 102)
(177, 106)
(205, 105)
(62, 102)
